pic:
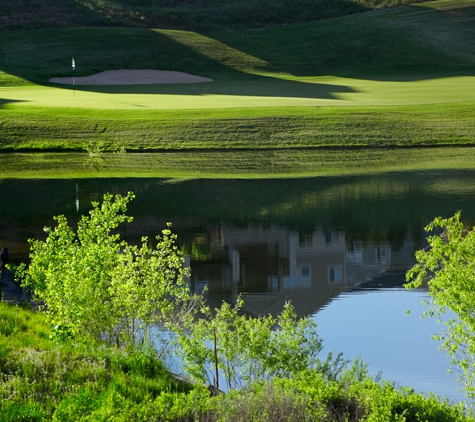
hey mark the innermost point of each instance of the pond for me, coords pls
(337, 247)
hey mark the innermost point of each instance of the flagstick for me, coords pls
(73, 65)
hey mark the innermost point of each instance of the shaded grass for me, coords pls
(388, 43)
(233, 164)
(176, 13)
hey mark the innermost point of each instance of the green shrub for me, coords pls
(87, 382)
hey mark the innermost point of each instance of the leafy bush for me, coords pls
(274, 361)
(96, 286)
(90, 382)
(448, 266)
(245, 349)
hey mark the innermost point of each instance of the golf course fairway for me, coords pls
(401, 77)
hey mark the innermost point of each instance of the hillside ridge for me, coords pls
(178, 14)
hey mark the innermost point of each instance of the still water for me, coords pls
(338, 247)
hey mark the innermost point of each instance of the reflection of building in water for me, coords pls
(375, 264)
(269, 265)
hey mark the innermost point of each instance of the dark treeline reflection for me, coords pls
(301, 239)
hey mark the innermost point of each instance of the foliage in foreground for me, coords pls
(44, 380)
(448, 264)
(245, 349)
(95, 286)
(81, 376)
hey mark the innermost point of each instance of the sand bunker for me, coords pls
(133, 77)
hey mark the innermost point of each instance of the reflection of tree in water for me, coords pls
(95, 161)
(367, 208)
(395, 234)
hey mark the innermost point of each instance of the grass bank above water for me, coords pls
(53, 129)
(282, 102)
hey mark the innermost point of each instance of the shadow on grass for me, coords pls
(47, 54)
(257, 87)
(177, 14)
(378, 45)
(4, 102)
(399, 43)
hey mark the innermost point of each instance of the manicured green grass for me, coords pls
(252, 94)
(36, 128)
(388, 43)
(403, 76)
(385, 45)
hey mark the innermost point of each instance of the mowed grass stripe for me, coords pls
(260, 93)
(310, 127)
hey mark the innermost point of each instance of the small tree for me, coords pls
(96, 286)
(448, 265)
(244, 349)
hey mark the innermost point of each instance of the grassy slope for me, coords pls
(43, 381)
(196, 14)
(40, 378)
(397, 77)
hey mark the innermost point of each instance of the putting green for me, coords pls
(273, 92)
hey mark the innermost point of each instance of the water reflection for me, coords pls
(305, 240)
(271, 240)
(270, 265)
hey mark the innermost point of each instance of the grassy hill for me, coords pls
(401, 76)
(421, 41)
(189, 14)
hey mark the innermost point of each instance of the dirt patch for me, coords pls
(133, 77)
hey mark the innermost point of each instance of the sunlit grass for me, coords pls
(269, 92)
(354, 81)
(40, 377)
(37, 128)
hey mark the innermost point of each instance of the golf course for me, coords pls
(369, 91)
(291, 156)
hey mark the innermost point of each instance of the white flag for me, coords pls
(73, 64)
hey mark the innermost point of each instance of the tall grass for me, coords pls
(42, 380)
(46, 381)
